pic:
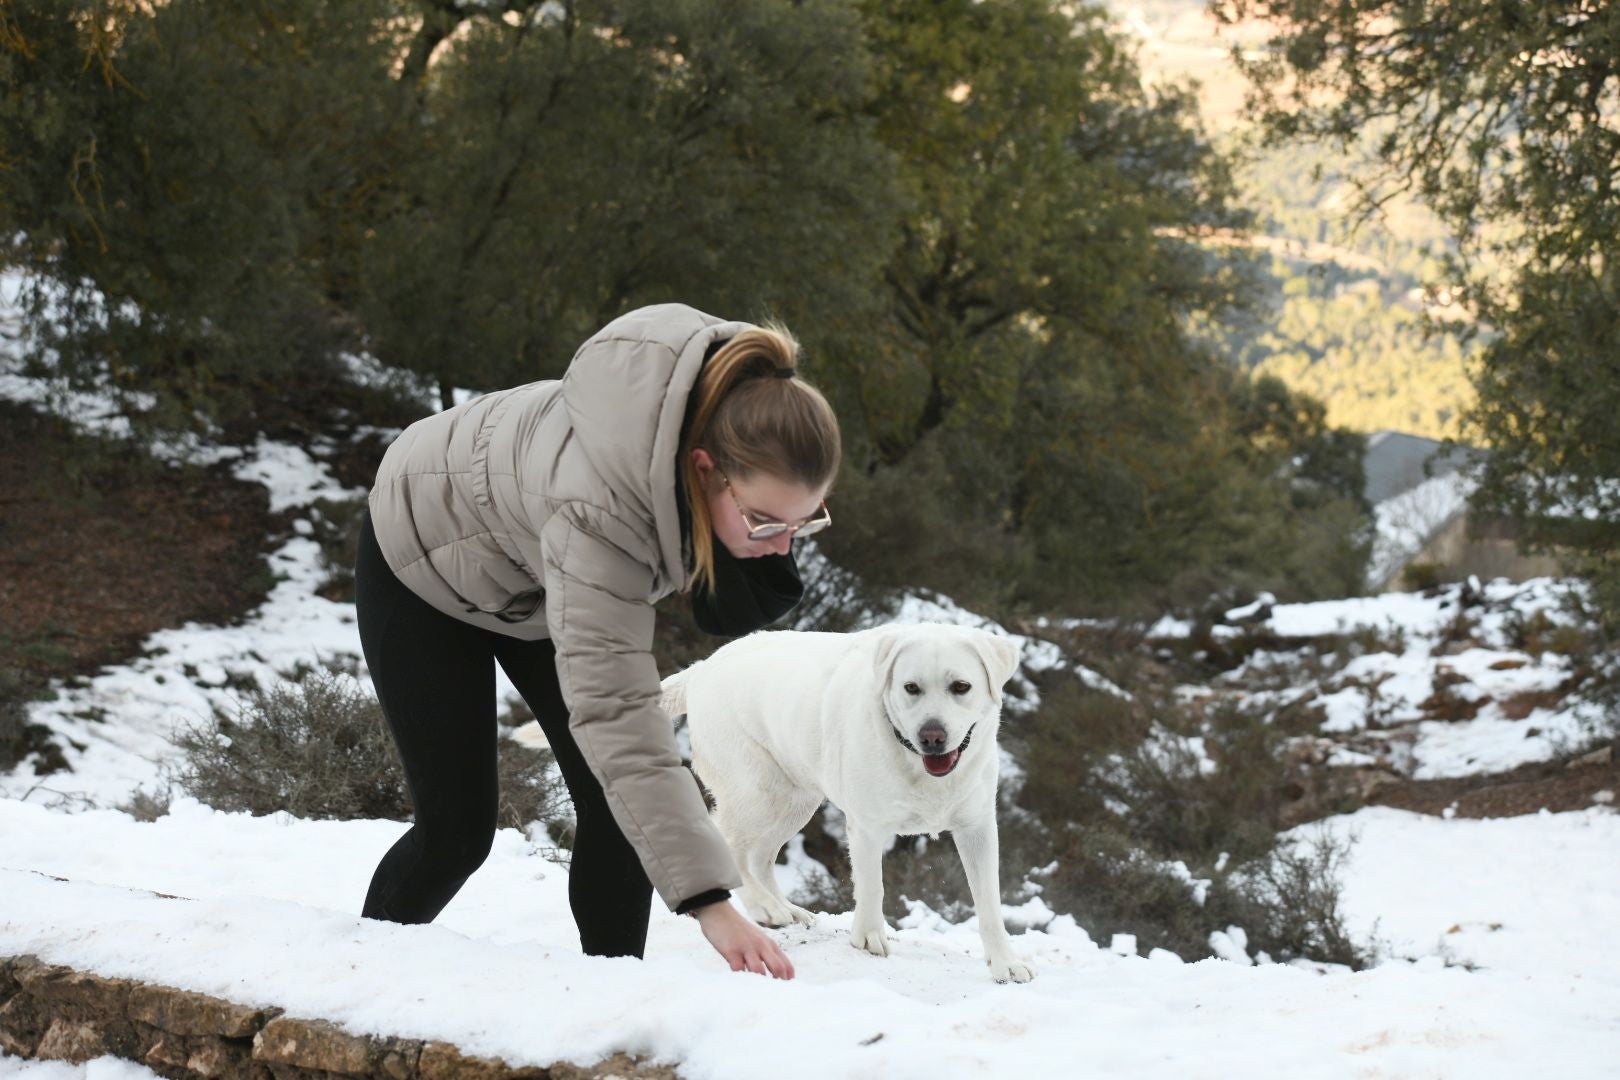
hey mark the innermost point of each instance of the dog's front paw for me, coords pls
(801, 915)
(777, 914)
(769, 911)
(872, 940)
(1010, 969)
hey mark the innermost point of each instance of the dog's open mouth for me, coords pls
(936, 764)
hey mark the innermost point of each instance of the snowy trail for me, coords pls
(500, 974)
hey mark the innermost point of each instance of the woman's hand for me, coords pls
(745, 946)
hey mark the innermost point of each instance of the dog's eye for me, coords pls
(960, 687)
(913, 689)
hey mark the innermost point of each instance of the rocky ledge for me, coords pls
(57, 1013)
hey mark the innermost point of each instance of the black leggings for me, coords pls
(435, 677)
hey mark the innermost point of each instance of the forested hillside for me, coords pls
(1343, 296)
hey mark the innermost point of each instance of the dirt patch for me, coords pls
(100, 546)
(1555, 786)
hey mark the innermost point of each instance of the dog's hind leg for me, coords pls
(757, 808)
(756, 830)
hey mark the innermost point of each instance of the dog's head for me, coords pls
(941, 684)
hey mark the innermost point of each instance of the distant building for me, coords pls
(1419, 492)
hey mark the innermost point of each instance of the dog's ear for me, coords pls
(1000, 656)
(883, 654)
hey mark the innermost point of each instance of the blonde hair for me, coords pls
(752, 420)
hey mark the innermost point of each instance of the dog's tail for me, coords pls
(673, 698)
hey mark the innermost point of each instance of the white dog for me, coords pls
(896, 725)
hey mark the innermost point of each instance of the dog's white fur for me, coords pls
(781, 720)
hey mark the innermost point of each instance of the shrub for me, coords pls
(13, 715)
(18, 736)
(335, 526)
(1074, 732)
(1143, 836)
(1098, 873)
(1286, 899)
(319, 747)
(916, 868)
(919, 524)
(146, 805)
(1181, 808)
(1421, 576)
(1288, 902)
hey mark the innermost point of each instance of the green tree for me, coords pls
(177, 186)
(600, 156)
(1033, 424)
(215, 199)
(1504, 116)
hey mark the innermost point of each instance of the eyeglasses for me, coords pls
(770, 530)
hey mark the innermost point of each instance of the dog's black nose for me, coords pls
(932, 737)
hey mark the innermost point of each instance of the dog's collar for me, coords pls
(905, 742)
(888, 718)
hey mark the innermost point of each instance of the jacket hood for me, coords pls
(626, 391)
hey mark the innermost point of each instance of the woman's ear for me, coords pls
(703, 463)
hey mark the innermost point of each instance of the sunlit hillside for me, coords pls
(1347, 297)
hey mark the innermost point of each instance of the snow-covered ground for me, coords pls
(271, 920)
(1439, 684)
(1496, 936)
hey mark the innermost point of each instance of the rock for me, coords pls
(21, 1024)
(619, 1065)
(396, 1059)
(53, 1012)
(8, 981)
(186, 1013)
(169, 1050)
(212, 1058)
(312, 1044)
(96, 994)
(442, 1061)
(76, 1041)
(17, 1044)
(1253, 613)
(1601, 756)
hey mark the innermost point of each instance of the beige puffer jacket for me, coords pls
(548, 510)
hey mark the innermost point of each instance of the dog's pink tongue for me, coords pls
(940, 764)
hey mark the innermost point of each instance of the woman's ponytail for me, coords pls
(754, 415)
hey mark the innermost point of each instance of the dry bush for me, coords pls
(319, 747)
(1288, 902)
(146, 805)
